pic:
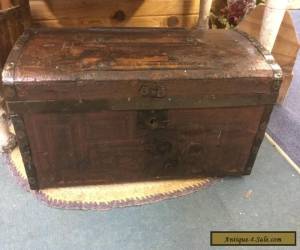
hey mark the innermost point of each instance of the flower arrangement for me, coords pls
(228, 13)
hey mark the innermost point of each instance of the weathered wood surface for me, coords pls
(286, 46)
(122, 105)
(110, 147)
(11, 28)
(13, 20)
(130, 54)
(109, 13)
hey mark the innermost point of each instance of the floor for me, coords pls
(183, 223)
(284, 125)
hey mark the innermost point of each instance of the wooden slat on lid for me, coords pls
(135, 54)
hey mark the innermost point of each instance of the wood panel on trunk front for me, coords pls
(113, 146)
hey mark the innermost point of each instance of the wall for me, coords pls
(89, 13)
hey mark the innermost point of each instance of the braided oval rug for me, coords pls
(105, 197)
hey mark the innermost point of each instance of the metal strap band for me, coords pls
(268, 57)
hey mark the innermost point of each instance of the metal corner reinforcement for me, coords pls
(268, 57)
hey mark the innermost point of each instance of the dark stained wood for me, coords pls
(212, 101)
(91, 90)
(143, 54)
(109, 147)
(259, 137)
(13, 20)
(25, 150)
(10, 29)
(125, 105)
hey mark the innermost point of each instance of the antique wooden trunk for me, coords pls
(125, 105)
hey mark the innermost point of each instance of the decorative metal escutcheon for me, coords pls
(153, 90)
(152, 119)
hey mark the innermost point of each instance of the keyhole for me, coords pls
(153, 122)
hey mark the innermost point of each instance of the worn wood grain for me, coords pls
(129, 105)
(157, 54)
(13, 20)
(187, 21)
(111, 147)
(11, 28)
(141, 13)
